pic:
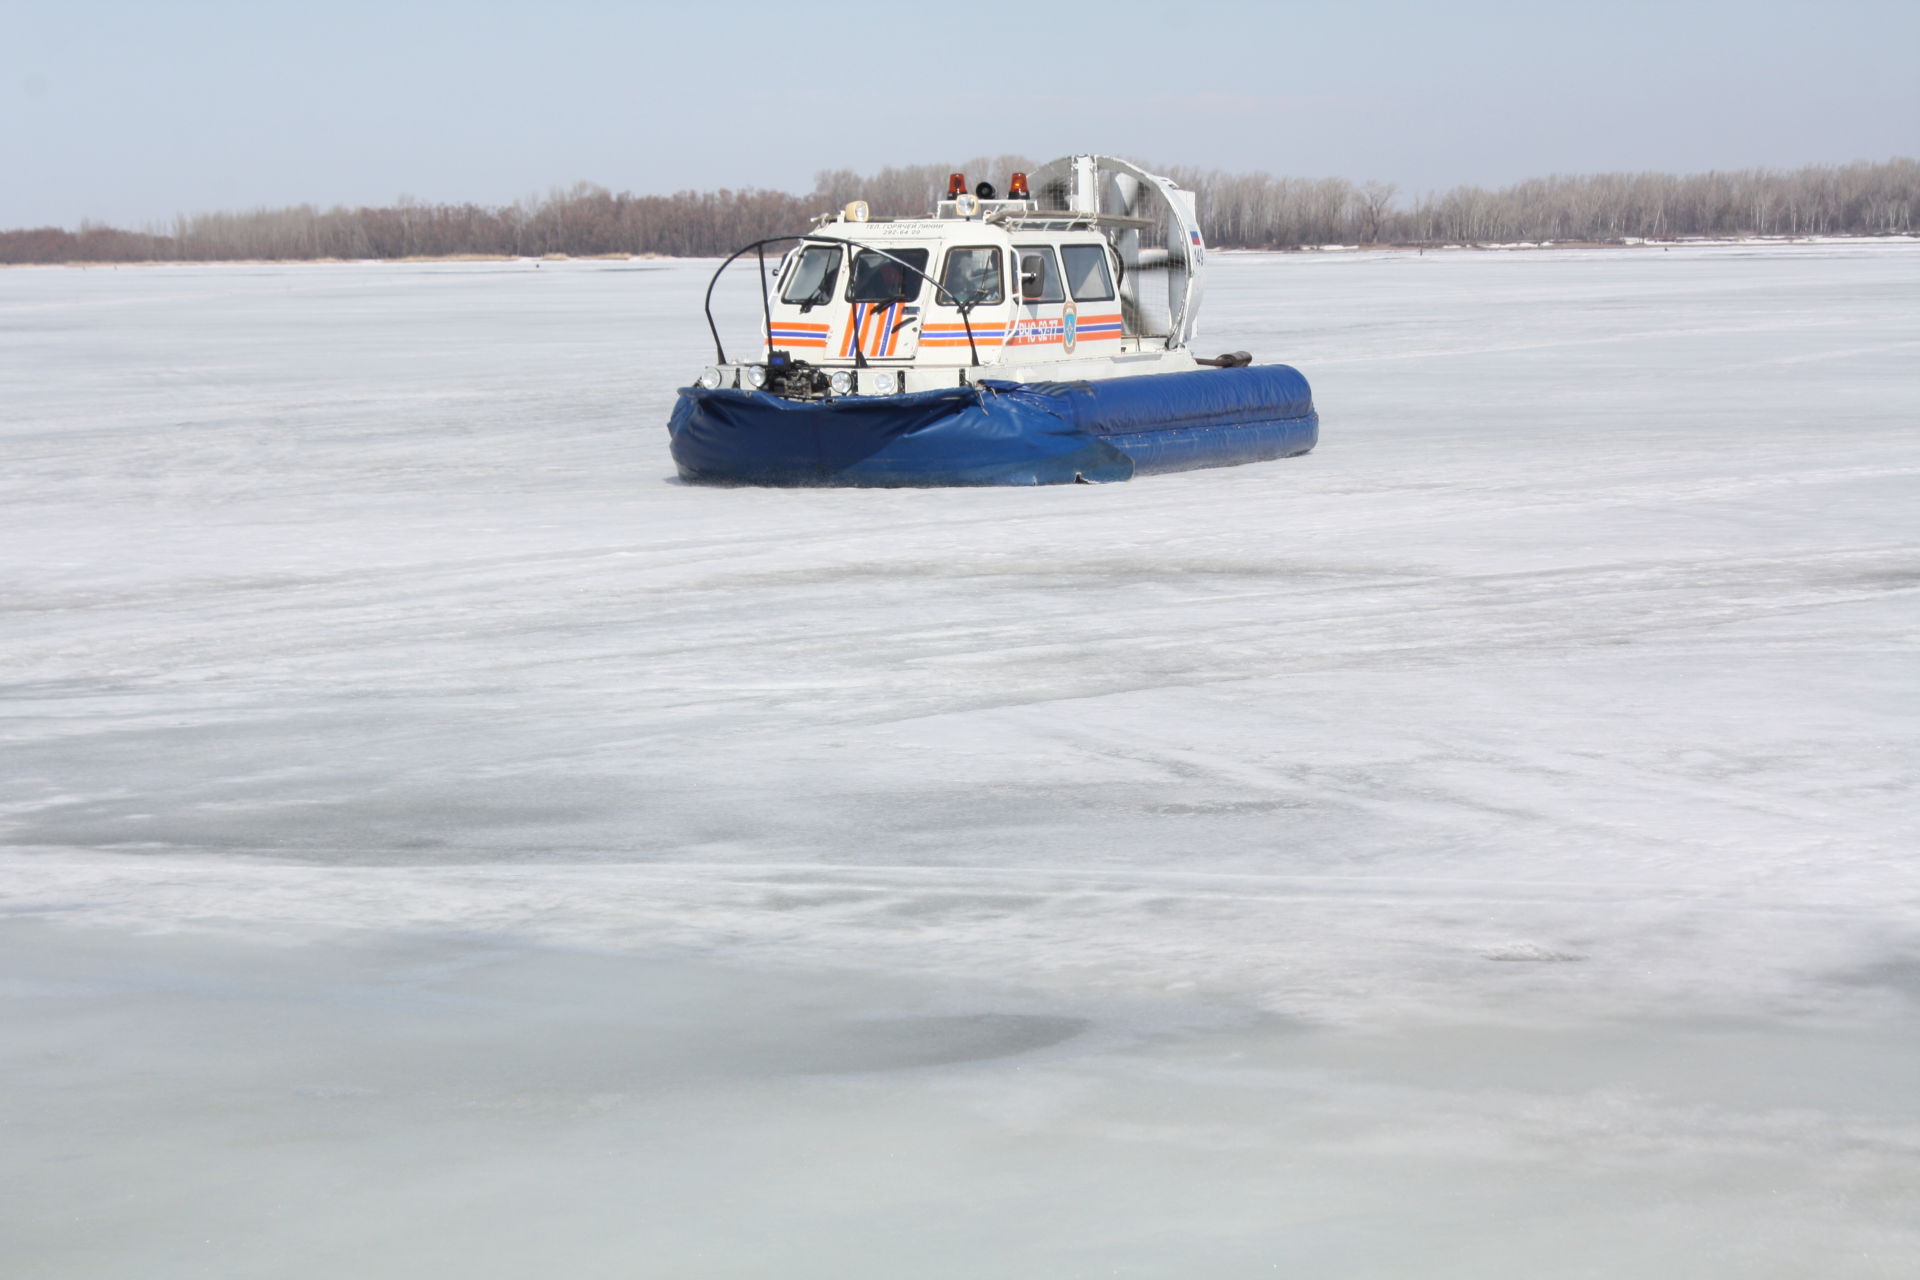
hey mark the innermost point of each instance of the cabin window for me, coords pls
(1039, 276)
(971, 275)
(1087, 277)
(878, 278)
(814, 273)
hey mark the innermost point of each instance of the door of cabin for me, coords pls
(882, 317)
(1043, 328)
(973, 275)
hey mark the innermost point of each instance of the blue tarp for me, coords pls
(997, 432)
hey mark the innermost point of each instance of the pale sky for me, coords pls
(132, 112)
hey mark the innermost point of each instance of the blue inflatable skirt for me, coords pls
(998, 432)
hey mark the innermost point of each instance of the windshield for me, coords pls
(875, 278)
(812, 276)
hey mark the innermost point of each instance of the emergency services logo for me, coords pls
(1069, 326)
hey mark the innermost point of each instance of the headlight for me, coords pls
(710, 378)
(756, 376)
(841, 382)
(885, 382)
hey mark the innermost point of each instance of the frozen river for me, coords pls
(438, 843)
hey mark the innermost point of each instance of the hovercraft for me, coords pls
(1043, 338)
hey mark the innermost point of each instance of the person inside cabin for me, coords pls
(878, 278)
(892, 280)
(889, 277)
(972, 276)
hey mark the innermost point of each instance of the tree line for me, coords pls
(1238, 211)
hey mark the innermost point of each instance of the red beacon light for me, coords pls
(1017, 189)
(956, 185)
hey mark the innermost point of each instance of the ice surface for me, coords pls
(441, 843)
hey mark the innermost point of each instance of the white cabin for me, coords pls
(1069, 282)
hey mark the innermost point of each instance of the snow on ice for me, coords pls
(441, 843)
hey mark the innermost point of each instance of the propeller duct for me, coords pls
(1153, 227)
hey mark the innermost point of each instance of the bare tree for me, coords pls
(1240, 210)
(1375, 198)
